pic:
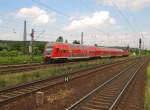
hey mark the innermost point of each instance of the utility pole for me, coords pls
(25, 37)
(81, 38)
(31, 45)
(140, 42)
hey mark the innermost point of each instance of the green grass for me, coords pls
(18, 78)
(147, 92)
(22, 77)
(19, 59)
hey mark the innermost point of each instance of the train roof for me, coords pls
(109, 48)
(86, 46)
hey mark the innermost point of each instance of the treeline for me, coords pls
(134, 50)
(20, 47)
(14, 48)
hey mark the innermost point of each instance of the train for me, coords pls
(62, 52)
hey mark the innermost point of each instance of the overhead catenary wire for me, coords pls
(48, 7)
(86, 6)
(66, 15)
(123, 16)
(126, 19)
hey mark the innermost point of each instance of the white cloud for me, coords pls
(0, 21)
(98, 19)
(131, 4)
(119, 39)
(9, 36)
(36, 15)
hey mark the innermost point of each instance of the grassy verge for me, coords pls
(18, 78)
(19, 59)
(147, 92)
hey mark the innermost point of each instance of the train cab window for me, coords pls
(48, 46)
(49, 49)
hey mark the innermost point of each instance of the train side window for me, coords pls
(57, 49)
(64, 51)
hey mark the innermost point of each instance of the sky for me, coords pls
(103, 22)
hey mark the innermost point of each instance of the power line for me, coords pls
(124, 17)
(39, 35)
(64, 14)
(46, 6)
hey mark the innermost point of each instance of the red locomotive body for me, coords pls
(64, 51)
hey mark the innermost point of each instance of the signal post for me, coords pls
(31, 45)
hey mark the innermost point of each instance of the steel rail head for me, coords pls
(124, 88)
(59, 76)
(99, 87)
(24, 94)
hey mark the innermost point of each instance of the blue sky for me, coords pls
(69, 18)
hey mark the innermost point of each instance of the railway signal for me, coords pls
(31, 45)
(140, 42)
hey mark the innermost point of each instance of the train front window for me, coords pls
(49, 49)
(48, 46)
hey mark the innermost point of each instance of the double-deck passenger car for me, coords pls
(65, 52)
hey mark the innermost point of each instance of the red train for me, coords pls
(64, 51)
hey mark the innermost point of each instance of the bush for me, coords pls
(6, 53)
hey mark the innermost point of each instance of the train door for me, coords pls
(57, 50)
(65, 51)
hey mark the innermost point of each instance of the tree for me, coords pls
(76, 42)
(95, 45)
(60, 39)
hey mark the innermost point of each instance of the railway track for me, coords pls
(17, 65)
(28, 67)
(13, 93)
(107, 95)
